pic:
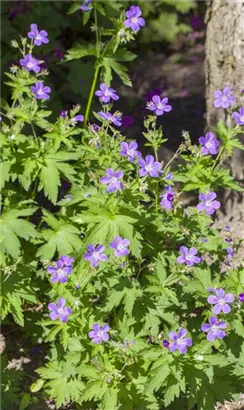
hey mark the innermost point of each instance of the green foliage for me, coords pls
(54, 205)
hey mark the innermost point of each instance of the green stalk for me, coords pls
(94, 82)
(88, 107)
(217, 158)
(157, 186)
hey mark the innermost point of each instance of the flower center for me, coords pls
(221, 302)
(114, 180)
(60, 311)
(60, 272)
(38, 37)
(225, 98)
(208, 203)
(95, 255)
(121, 247)
(170, 197)
(134, 19)
(160, 106)
(107, 93)
(30, 65)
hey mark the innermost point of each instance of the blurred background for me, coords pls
(170, 52)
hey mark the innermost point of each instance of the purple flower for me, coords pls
(180, 342)
(127, 121)
(230, 254)
(106, 94)
(30, 63)
(203, 240)
(227, 228)
(211, 289)
(148, 96)
(99, 333)
(195, 22)
(120, 245)
(210, 144)
(127, 344)
(165, 343)
(60, 271)
(158, 105)
(241, 297)
(39, 37)
(149, 167)
(239, 116)
(95, 255)
(134, 19)
(67, 260)
(208, 204)
(214, 329)
(58, 311)
(85, 6)
(129, 150)
(78, 118)
(221, 301)
(112, 179)
(169, 176)
(168, 198)
(223, 98)
(95, 127)
(63, 114)
(114, 118)
(188, 256)
(40, 91)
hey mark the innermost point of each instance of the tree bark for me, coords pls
(225, 61)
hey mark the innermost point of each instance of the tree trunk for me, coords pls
(225, 61)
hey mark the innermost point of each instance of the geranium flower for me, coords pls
(95, 255)
(221, 300)
(214, 329)
(58, 311)
(39, 37)
(112, 179)
(134, 19)
(99, 333)
(180, 342)
(41, 91)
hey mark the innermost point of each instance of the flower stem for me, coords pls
(88, 108)
(217, 158)
(94, 82)
(157, 185)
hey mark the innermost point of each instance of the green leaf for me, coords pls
(63, 238)
(15, 308)
(80, 51)
(14, 228)
(73, 8)
(50, 181)
(36, 386)
(25, 401)
(183, 6)
(157, 377)
(118, 68)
